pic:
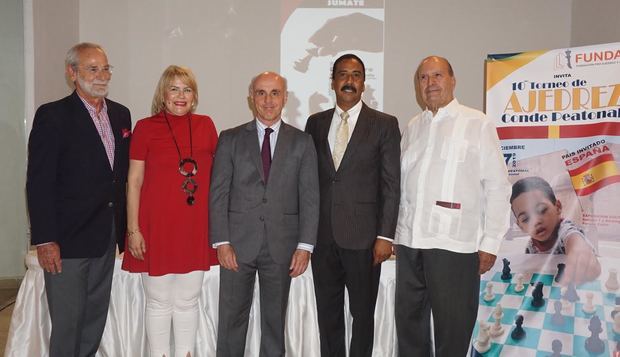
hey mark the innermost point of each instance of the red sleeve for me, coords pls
(138, 148)
(213, 136)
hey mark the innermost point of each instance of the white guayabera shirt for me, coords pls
(454, 183)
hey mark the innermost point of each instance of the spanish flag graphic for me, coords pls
(594, 174)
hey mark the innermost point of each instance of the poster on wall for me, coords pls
(554, 290)
(314, 33)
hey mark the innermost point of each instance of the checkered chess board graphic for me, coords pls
(538, 325)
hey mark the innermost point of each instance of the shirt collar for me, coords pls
(91, 109)
(261, 127)
(451, 109)
(353, 111)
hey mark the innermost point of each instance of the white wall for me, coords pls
(13, 237)
(55, 31)
(226, 42)
(595, 22)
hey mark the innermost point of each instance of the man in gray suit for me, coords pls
(263, 212)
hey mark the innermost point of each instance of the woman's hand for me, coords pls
(136, 245)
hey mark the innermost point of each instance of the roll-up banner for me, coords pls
(554, 290)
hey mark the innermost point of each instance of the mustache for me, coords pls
(350, 87)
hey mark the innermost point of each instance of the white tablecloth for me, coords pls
(124, 333)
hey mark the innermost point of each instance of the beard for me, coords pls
(91, 89)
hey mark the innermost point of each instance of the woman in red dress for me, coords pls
(171, 155)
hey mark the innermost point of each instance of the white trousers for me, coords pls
(172, 297)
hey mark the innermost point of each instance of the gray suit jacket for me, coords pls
(245, 211)
(360, 200)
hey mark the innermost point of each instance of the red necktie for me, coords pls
(265, 153)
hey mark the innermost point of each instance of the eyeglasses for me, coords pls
(95, 70)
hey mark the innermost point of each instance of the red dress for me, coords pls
(175, 233)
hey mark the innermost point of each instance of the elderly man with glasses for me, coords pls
(77, 172)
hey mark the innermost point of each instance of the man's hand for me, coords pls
(227, 257)
(486, 261)
(299, 263)
(49, 257)
(381, 251)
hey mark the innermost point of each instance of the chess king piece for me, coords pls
(588, 307)
(560, 272)
(497, 329)
(506, 275)
(483, 341)
(519, 286)
(489, 295)
(594, 344)
(537, 295)
(612, 281)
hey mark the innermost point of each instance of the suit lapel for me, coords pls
(323, 133)
(253, 147)
(282, 147)
(116, 131)
(360, 133)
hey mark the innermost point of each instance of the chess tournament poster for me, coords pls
(557, 114)
(314, 33)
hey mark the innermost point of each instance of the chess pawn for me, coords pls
(483, 341)
(489, 295)
(565, 303)
(588, 307)
(594, 344)
(557, 318)
(519, 286)
(518, 333)
(617, 323)
(612, 281)
(497, 329)
(556, 347)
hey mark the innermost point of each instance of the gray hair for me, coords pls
(73, 55)
(251, 86)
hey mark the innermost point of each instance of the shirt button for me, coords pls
(262, 218)
(264, 200)
(110, 204)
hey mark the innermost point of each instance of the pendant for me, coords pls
(190, 200)
(188, 167)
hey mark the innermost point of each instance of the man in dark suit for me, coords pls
(358, 151)
(77, 171)
(263, 216)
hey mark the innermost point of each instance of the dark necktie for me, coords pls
(265, 153)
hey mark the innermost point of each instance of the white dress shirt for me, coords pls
(273, 139)
(354, 114)
(454, 182)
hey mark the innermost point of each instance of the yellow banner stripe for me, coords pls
(554, 131)
(597, 173)
(496, 70)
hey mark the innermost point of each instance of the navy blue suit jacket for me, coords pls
(72, 192)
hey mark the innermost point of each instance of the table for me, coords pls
(124, 333)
